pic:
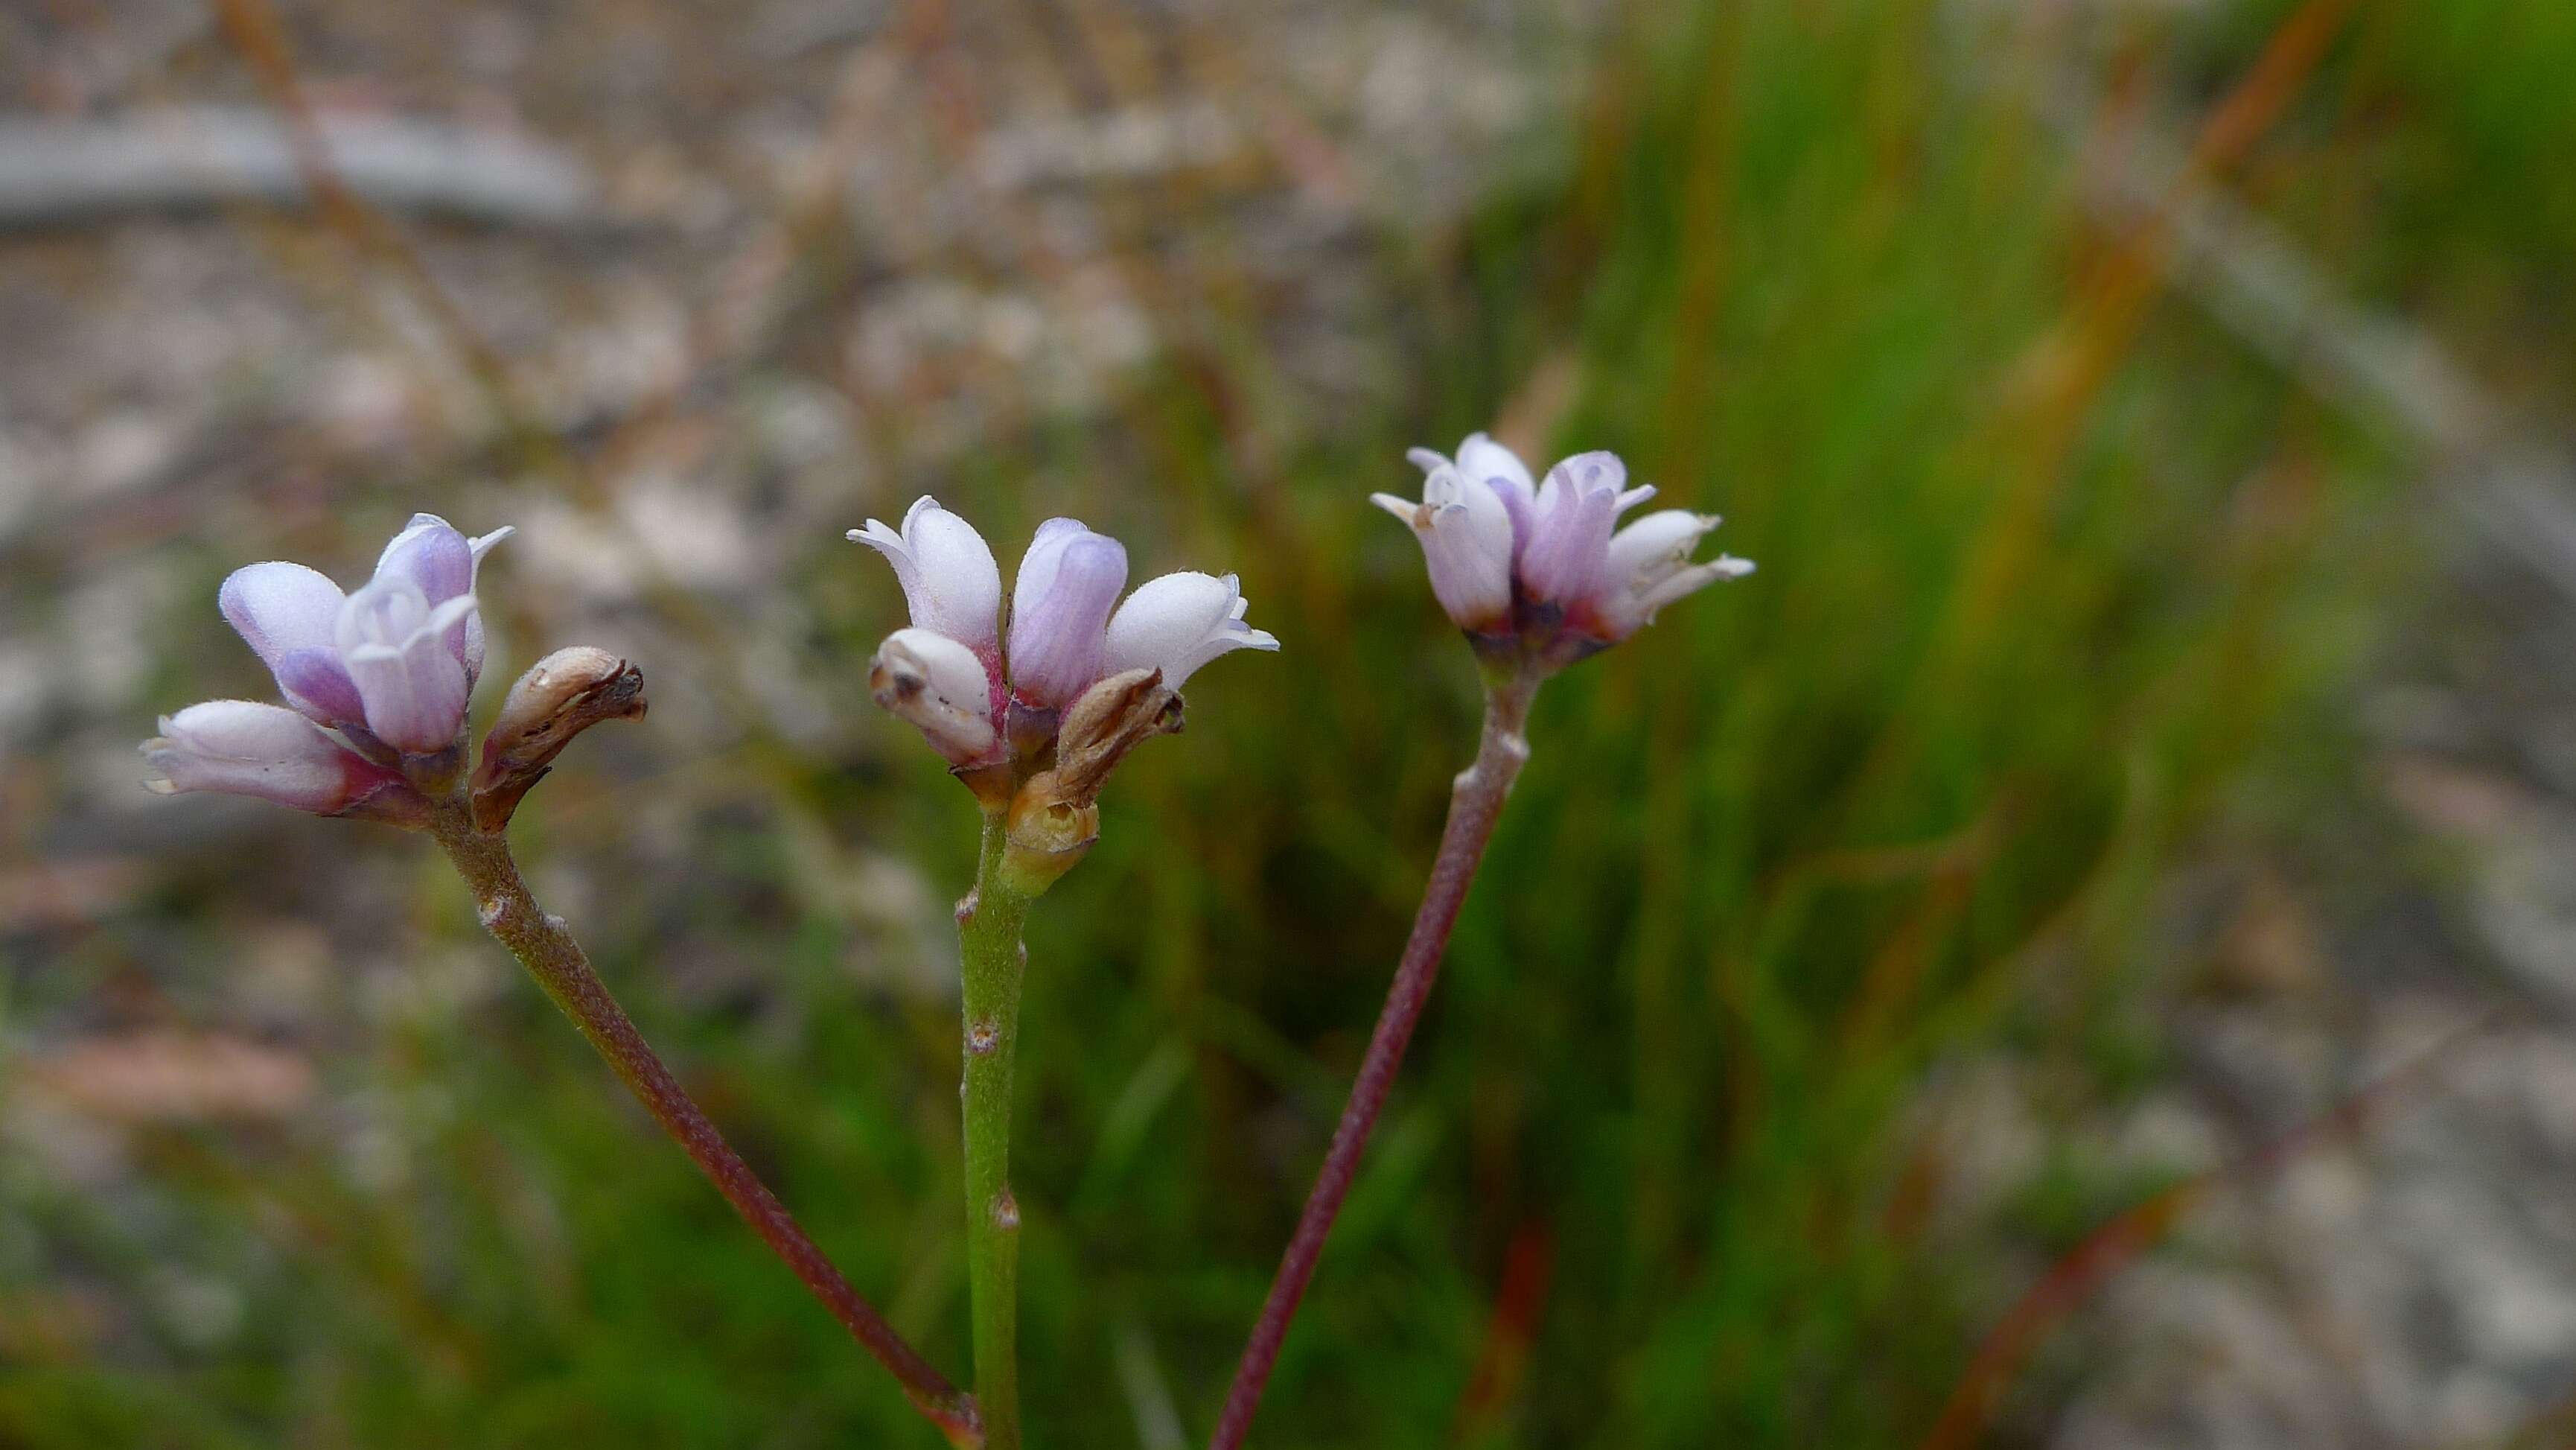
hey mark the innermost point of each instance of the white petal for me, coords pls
(279, 607)
(1665, 537)
(1484, 460)
(960, 581)
(1178, 623)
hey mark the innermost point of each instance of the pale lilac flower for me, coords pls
(408, 668)
(395, 660)
(1467, 533)
(239, 747)
(1064, 643)
(1566, 560)
(949, 579)
(1179, 622)
(1068, 582)
(1550, 565)
(938, 685)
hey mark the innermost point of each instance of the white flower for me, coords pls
(1179, 622)
(239, 747)
(1466, 531)
(947, 572)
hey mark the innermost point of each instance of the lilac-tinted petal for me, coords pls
(238, 747)
(397, 650)
(433, 556)
(1567, 556)
(443, 562)
(315, 683)
(1068, 582)
(1467, 544)
(279, 607)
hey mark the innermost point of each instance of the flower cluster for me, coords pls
(376, 683)
(983, 699)
(375, 678)
(1543, 568)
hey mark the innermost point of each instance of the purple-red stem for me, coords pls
(1475, 803)
(550, 954)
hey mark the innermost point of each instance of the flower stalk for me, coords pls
(545, 946)
(1539, 576)
(994, 960)
(1032, 721)
(1475, 803)
(376, 684)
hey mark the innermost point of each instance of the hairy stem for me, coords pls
(1475, 803)
(993, 958)
(547, 949)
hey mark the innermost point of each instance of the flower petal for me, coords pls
(1179, 622)
(1467, 539)
(239, 747)
(433, 556)
(398, 651)
(1068, 582)
(1566, 560)
(1482, 460)
(950, 582)
(315, 683)
(937, 685)
(279, 607)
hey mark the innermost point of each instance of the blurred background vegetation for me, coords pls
(2142, 733)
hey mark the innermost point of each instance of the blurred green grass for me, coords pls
(2047, 581)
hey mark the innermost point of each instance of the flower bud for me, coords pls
(1112, 718)
(559, 697)
(239, 747)
(939, 687)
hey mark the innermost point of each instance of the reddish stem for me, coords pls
(550, 954)
(1475, 803)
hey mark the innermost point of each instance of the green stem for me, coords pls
(993, 959)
